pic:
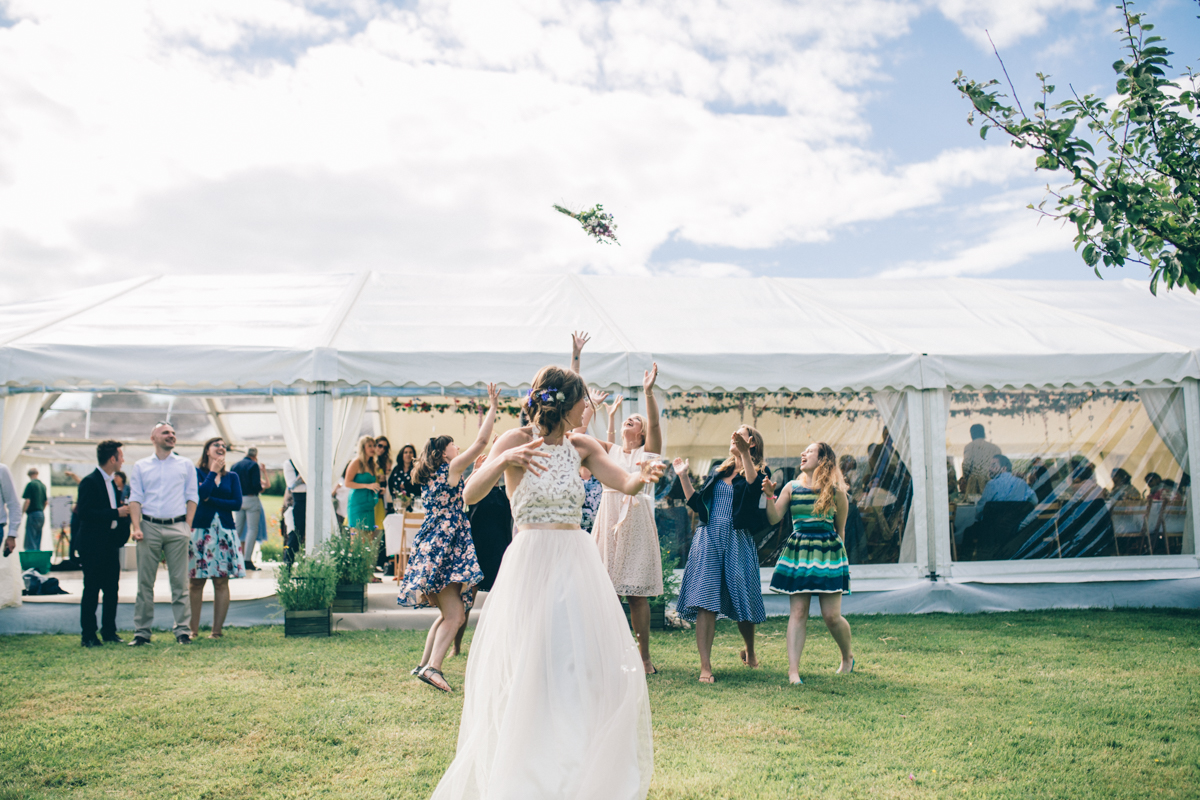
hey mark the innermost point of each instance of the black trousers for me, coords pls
(295, 540)
(101, 573)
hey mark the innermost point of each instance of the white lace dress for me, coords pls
(555, 704)
(627, 536)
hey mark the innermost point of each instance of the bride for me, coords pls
(555, 700)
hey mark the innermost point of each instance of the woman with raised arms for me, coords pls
(813, 560)
(555, 702)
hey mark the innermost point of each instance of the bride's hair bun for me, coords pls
(555, 392)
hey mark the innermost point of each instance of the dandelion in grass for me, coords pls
(596, 222)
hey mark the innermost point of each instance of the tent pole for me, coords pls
(320, 466)
(1191, 416)
(933, 409)
(918, 470)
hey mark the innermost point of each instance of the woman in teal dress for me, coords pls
(813, 560)
(363, 486)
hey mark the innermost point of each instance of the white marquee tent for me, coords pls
(320, 345)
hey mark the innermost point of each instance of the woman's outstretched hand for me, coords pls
(649, 377)
(615, 405)
(679, 465)
(768, 488)
(525, 457)
(652, 470)
(493, 396)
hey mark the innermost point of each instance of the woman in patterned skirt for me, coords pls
(214, 551)
(443, 566)
(722, 576)
(813, 560)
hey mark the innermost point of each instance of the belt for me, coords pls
(157, 521)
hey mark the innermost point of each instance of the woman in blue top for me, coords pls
(722, 575)
(214, 551)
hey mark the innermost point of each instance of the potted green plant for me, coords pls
(353, 554)
(305, 588)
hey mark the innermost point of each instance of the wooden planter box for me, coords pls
(351, 598)
(658, 615)
(307, 623)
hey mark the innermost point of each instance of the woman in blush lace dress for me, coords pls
(555, 704)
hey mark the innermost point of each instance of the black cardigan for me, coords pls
(749, 513)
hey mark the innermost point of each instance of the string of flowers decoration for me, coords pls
(596, 222)
(846, 405)
(1033, 403)
(465, 407)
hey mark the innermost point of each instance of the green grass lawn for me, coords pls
(1070, 704)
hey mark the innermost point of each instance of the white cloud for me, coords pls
(1008, 21)
(997, 233)
(158, 137)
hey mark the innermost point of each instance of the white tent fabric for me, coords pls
(19, 415)
(1166, 412)
(893, 407)
(798, 334)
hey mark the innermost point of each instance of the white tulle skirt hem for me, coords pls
(555, 701)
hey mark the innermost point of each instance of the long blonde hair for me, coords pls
(827, 478)
(368, 461)
(756, 452)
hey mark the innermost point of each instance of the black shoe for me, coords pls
(138, 641)
(183, 638)
(112, 638)
(93, 642)
(250, 566)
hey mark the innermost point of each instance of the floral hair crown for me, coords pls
(548, 396)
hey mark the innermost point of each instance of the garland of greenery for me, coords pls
(1033, 403)
(465, 407)
(685, 405)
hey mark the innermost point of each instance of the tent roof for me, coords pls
(177, 332)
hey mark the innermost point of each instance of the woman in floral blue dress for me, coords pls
(443, 568)
(214, 551)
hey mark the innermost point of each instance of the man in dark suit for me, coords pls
(103, 531)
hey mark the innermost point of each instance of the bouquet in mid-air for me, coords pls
(596, 222)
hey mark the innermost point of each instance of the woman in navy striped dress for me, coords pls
(813, 560)
(722, 575)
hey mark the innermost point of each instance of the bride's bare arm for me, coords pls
(612, 474)
(514, 452)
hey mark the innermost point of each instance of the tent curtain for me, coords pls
(1165, 409)
(893, 408)
(293, 420)
(20, 415)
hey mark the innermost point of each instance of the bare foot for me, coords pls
(707, 677)
(749, 661)
(215, 635)
(194, 634)
(648, 667)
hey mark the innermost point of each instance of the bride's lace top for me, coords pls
(556, 496)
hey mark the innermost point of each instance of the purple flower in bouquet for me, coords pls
(596, 222)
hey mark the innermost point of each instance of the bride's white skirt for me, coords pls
(555, 701)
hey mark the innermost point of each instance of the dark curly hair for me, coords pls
(431, 459)
(546, 410)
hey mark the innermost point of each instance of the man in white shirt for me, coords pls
(163, 495)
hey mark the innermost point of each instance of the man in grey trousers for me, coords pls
(249, 518)
(163, 494)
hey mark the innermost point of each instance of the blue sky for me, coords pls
(757, 137)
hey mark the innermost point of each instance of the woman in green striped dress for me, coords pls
(813, 560)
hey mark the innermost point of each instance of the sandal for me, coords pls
(216, 635)
(417, 669)
(707, 679)
(424, 674)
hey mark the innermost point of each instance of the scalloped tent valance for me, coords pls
(760, 334)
